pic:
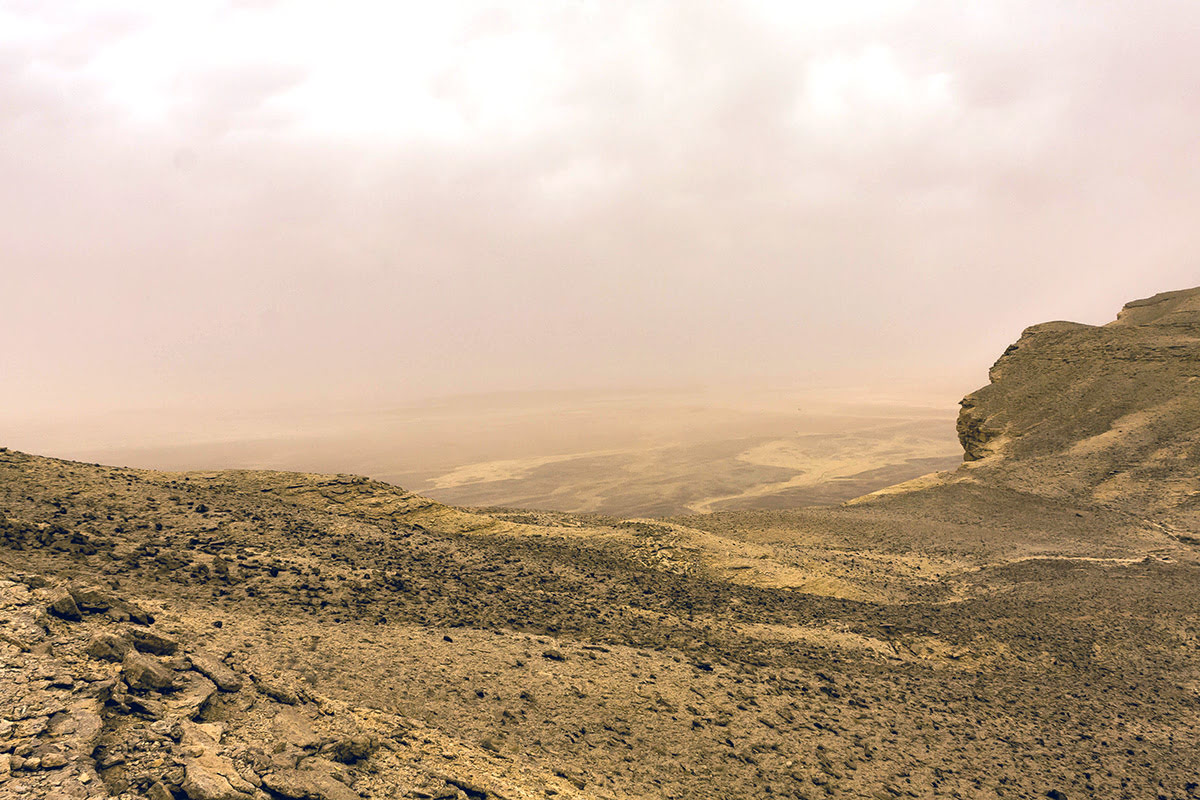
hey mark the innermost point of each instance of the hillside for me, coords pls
(1024, 626)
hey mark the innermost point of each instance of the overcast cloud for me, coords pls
(310, 202)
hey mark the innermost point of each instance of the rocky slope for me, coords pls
(1001, 631)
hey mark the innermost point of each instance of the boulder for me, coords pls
(291, 727)
(226, 679)
(77, 728)
(62, 605)
(91, 598)
(307, 784)
(354, 748)
(201, 735)
(124, 611)
(144, 673)
(212, 777)
(150, 642)
(278, 691)
(159, 791)
(109, 646)
(192, 693)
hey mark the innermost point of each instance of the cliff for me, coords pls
(1108, 413)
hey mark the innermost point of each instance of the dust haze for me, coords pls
(282, 233)
(617, 453)
(266, 205)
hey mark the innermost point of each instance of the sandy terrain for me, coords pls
(616, 454)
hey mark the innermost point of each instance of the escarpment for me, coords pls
(1111, 412)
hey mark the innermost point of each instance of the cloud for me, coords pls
(224, 200)
(233, 100)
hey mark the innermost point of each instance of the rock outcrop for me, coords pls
(1107, 414)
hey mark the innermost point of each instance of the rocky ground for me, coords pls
(508, 659)
(279, 636)
(99, 701)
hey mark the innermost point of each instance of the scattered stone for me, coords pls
(298, 784)
(109, 646)
(226, 679)
(553, 655)
(155, 709)
(62, 605)
(354, 748)
(470, 789)
(154, 643)
(250, 777)
(571, 778)
(62, 681)
(32, 727)
(143, 672)
(91, 598)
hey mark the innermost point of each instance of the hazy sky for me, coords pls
(259, 202)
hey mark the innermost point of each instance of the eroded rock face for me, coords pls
(1166, 309)
(311, 613)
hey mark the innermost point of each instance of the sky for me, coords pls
(308, 203)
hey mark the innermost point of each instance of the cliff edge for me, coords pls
(1105, 413)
